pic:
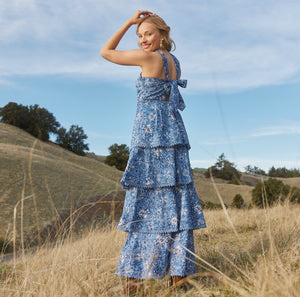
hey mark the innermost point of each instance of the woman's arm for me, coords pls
(131, 57)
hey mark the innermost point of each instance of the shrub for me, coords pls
(234, 181)
(237, 201)
(269, 192)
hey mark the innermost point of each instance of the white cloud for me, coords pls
(224, 45)
(277, 130)
(202, 163)
(292, 128)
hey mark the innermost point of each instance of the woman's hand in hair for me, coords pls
(139, 15)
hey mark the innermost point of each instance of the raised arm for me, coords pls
(130, 57)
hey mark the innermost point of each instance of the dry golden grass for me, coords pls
(260, 258)
(251, 253)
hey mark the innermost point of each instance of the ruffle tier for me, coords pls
(161, 210)
(157, 124)
(157, 167)
(155, 255)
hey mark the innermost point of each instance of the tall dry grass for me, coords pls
(251, 253)
(260, 258)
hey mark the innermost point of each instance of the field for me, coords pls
(49, 193)
(243, 253)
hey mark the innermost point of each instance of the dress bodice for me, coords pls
(157, 89)
(158, 122)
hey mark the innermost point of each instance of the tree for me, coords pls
(37, 121)
(254, 170)
(293, 173)
(42, 122)
(269, 192)
(72, 140)
(237, 201)
(223, 169)
(283, 172)
(119, 155)
(62, 138)
(15, 114)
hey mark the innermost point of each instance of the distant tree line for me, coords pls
(274, 172)
(283, 172)
(227, 170)
(255, 170)
(40, 123)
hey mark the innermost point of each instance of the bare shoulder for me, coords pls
(146, 59)
(145, 56)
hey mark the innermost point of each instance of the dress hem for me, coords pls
(163, 232)
(187, 145)
(127, 186)
(154, 277)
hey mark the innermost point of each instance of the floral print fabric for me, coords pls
(161, 206)
(166, 209)
(157, 167)
(147, 255)
(157, 124)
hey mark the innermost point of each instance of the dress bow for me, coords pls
(182, 83)
(175, 96)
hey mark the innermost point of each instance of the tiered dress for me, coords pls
(161, 206)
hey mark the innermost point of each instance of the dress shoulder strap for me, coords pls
(177, 65)
(165, 64)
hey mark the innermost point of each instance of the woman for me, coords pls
(161, 205)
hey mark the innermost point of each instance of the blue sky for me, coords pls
(241, 60)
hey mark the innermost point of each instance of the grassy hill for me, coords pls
(44, 182)
(49, 180)
(207, 190)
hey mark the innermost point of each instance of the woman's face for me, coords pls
(149, 37)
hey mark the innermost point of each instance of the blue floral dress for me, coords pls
(161, 206)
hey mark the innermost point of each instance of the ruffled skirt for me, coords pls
(161, 207)
(148, 255)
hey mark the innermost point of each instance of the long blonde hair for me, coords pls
(167, 42)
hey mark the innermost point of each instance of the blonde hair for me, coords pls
(167, 42)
